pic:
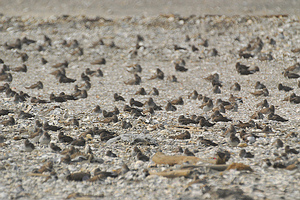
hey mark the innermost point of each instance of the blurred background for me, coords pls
(121, 8)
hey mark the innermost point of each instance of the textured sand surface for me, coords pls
(121, 8)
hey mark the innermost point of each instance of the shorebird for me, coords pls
(170, 107)
(193, 95)
(236, 87)
(284, 88)
(100, 61)
(45, 138)
(135, 68)
(136, 81)
(39, 85)
(28, 146)
(141, 91)
(178, 101)
(207, 106)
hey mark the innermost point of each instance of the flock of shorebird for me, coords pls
(41, 134)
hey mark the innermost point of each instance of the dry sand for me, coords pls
(121, 8)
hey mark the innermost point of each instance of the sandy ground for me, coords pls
(121, 8)
(151, 133)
